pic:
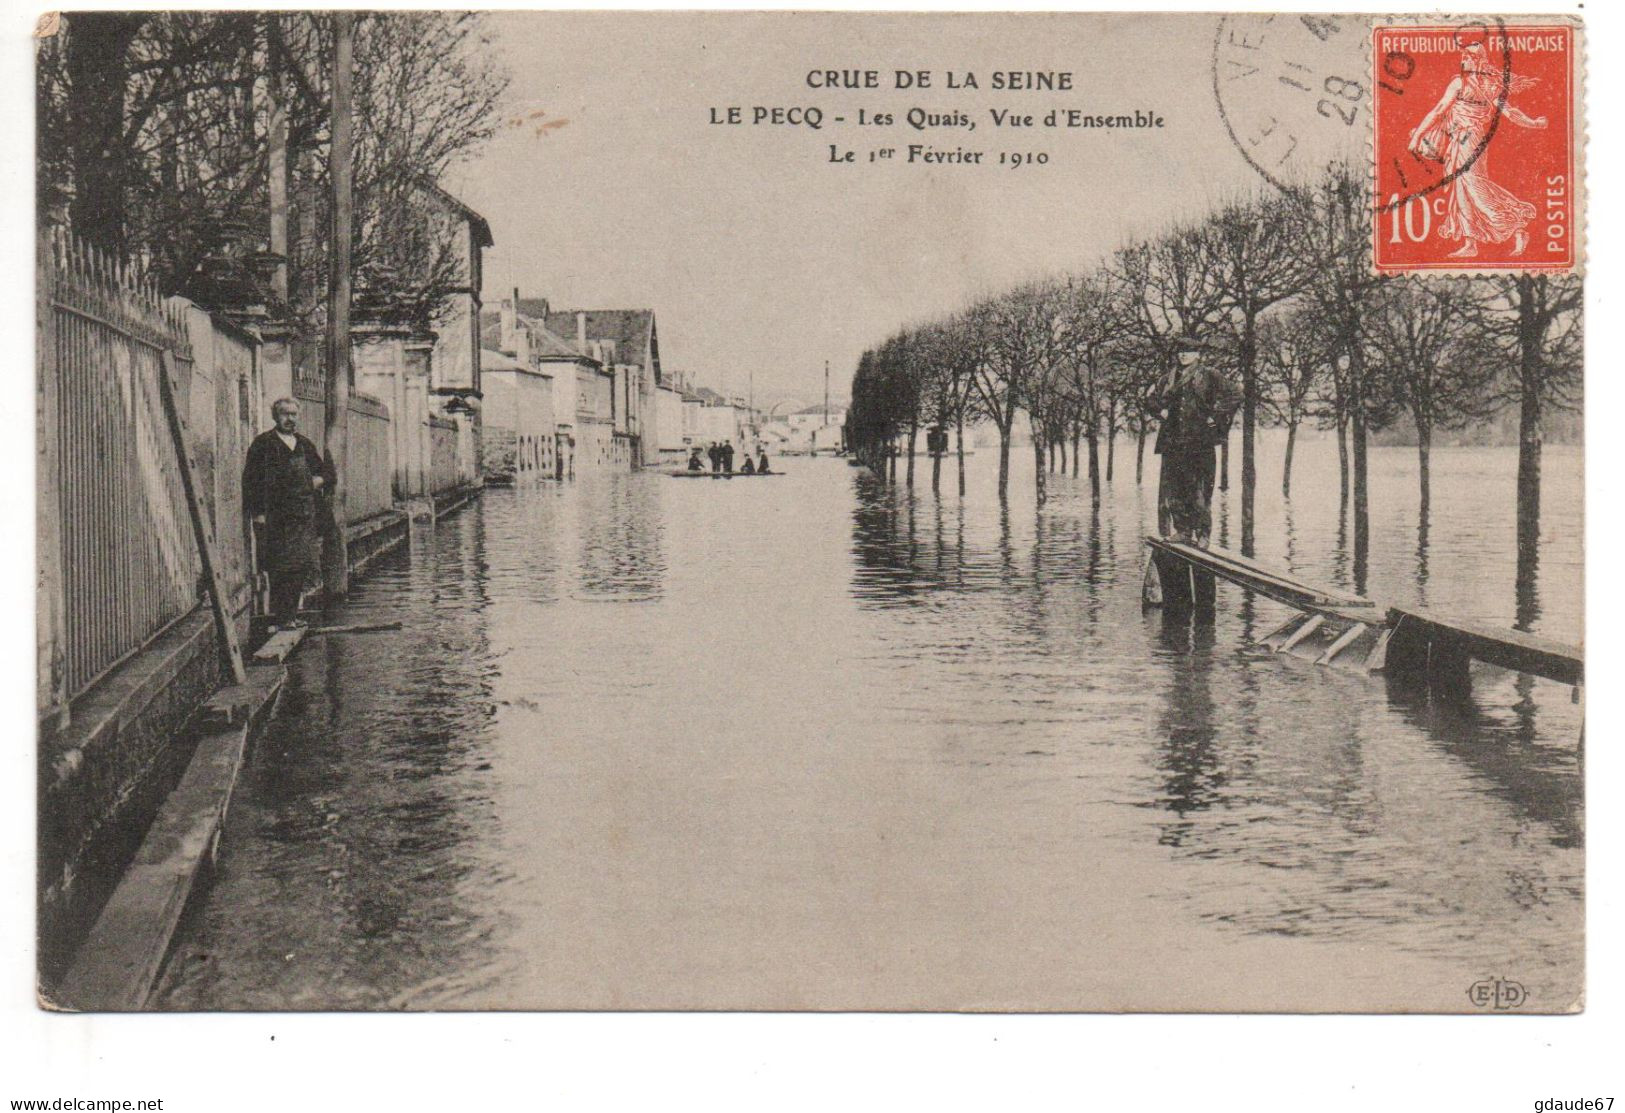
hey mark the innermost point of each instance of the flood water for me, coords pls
(818, 741)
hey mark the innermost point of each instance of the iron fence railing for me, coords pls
(124, 564)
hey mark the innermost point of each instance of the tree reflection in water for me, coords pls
(976, 687)
(1193, 775)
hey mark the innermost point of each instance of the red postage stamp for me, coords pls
(1474, 147)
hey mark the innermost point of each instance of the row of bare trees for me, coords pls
(1282, 284)
(164, 136)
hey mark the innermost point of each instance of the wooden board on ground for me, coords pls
(202, 529)
(357, 628)
(279, 646)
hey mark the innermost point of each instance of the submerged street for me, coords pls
(827, 742)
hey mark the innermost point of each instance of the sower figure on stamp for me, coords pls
(283, 492)
(1457, 132)
(1196, 403)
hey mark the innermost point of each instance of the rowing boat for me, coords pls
(723, 474)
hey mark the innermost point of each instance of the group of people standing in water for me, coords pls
(722, 460)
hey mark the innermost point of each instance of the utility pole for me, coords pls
(336, 574)
(276, 158)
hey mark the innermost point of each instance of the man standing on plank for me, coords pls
(284, 492)
(1196, 403)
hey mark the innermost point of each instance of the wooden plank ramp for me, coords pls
(1283, 587)
(1403, 641)
(1513, 650)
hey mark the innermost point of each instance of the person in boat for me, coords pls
(728, 458)
(761, 464)
(1196, 403)
(694, 461)
(747, 468)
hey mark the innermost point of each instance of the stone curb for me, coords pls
(123, 956)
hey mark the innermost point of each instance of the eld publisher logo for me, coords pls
(1497, 993)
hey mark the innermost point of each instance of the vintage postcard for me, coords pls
(810, 511)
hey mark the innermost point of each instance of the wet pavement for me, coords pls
(821, 742)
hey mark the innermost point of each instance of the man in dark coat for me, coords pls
(715, 452)
(1196, 402)
(728, 457)
(285, 486)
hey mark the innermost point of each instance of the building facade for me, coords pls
(519, 437)
(626, 343)
(584, 422)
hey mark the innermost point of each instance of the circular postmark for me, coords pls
(1293, 92)
(1296, 93)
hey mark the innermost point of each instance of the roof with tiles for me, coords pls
(544, 342)
(493, 360)
(632, 331)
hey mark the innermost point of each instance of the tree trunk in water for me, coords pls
(1077, 443)
(1424, 450)
(1224, 465)
(1286, 465)
(1357, 428)
(936, 472)
(1094, 462)
(1248, 358)
(913, 434)
(959, 448)
(97, 65)
(1111, 439)
(1139, 456)
(1530, 381)
(1040, 481)
(1362, 505)
(1004, 459)
(1342, 460)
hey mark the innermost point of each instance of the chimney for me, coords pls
(581, 328)
(521, 347)
(510, 322)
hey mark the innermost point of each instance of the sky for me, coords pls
(761, 257)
